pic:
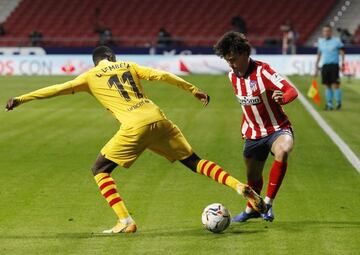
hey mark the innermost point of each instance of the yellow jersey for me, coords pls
(117, 86)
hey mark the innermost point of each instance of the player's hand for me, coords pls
(11, 104)
(203, 97)
(316, 72)
(278, 96)
(342, 68)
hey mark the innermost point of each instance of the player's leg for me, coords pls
(211, 170)
(329, 95)
(169, 142)
(254, 174)
(218, 174)
(254, 169)
(326, 80)
(281, 148)
(102, 169)
(122, 149)
(335, 80)
(338, 95)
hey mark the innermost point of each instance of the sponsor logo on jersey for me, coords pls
(248, 100)
(139, 104)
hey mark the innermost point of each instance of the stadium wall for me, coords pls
(178, 64)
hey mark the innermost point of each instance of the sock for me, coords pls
(257, 187)
(215, 172)
(249, 209)
(268, 200)
(329, 94)
(338, 94)
(108, 189)
(277, 174)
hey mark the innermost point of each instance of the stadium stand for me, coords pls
(6, 7)
(344, 15)
(190, 22)
(357, 35)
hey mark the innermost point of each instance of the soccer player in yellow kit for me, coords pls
(116, 85)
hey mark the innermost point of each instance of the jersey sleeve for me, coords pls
(76, 85)
(151, 74)
(319, 46)
(274, 81)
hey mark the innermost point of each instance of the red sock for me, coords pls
(257, 187)
(277, 174)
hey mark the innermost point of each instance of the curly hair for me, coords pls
(232, 42)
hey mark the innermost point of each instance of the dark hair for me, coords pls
(232, 42)
(103, 52)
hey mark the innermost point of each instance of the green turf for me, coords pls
(51, 205)
(345, 122)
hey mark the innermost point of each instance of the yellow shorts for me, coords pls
(162, 137)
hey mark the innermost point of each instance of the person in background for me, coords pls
(239, 25)
(36, 38)
(2, 29)
(164, 38)
(329, 49)
(345, 36)
(106, 38)
(289, 38)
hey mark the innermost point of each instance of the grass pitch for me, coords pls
(50, 203)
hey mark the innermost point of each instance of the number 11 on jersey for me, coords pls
(126, 77)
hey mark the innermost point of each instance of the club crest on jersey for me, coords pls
(253, 85)
(248, 100)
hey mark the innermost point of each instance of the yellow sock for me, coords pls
(215, 172)
(108, 189)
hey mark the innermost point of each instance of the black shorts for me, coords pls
(330, 74)
(259, 148)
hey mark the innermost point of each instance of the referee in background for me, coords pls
(329, 49)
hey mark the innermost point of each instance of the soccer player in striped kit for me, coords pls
(261, 91)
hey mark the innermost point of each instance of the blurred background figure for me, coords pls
(329, 49)
(289, 38)
(345, 36)
(238, 24)
(2, 29)
(164, 38)
(35, 38)
(99, 26)
(105, 34)
(106, 37)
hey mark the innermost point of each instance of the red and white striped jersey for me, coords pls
(262, 116)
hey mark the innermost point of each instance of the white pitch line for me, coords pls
(344, 148)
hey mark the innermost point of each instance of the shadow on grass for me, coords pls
(296, 226)
(247, 228)
(148, 233)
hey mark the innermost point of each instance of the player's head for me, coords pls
(103, 52)
(235, 49)
(327, 31)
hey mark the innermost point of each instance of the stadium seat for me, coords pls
(143, 18)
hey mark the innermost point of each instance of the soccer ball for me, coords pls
(215, 218)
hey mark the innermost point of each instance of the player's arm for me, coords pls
(283, 91)
(340, 46)
(70, 87)
(151, 74)
(318, 56)
(342, 55)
